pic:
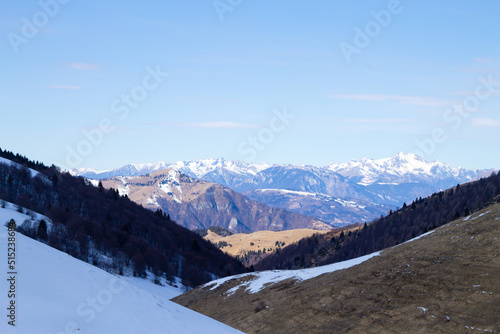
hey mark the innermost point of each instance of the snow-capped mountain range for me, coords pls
(336, 193)
(397, 169)
(401, 168)
(196, 168)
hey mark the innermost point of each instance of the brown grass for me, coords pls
(242, 243)
(453, 273)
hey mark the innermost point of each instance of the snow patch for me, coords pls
(420, 236)
(95, 183)
(152, 200)
(286, 191)
(423, 309)
(263, 279)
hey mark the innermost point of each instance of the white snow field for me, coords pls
(56, 293)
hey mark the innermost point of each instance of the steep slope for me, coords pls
(444, 282)
(89, 219)
(56, 293)
(397, 227)
(199, 204)
(375, 186)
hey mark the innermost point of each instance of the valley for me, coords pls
(360, 278)
(250, 167)
(241, 243)
(443, 282)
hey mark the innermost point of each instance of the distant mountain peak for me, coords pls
(402, 167)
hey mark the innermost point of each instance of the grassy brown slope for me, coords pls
(454, 273)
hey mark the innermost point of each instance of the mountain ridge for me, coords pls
(201, 167)
(196, 204)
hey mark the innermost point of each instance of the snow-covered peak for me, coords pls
(85, 170)
(194, 168)
(398, 168)
(200, 168)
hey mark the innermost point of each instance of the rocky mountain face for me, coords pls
(355, 191)
(335, 210)
(199, 204)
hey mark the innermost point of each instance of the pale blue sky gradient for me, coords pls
(226, 78)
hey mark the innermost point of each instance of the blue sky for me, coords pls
(417, 76)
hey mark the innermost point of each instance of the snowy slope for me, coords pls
(57, 293)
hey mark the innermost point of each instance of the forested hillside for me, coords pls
(95, 224)
(410, 221)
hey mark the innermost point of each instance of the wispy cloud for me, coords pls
(212, 125)
(65, 87)
(379, 121)
(83, 66)
(403, 99)
(479, 69)
(472, 93)
(486, 60)
(485, 122)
